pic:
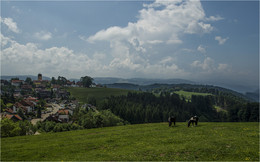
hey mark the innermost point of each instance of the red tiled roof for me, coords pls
(26, 103)
(18, 117)
(62, 111)
(16, 81)
(8, 116)
(9, 110)
(18, 105)
(32, 99)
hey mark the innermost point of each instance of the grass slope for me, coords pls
(208, 141)
(187, 95)
(82, 94)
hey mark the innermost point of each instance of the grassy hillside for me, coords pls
(187, 95)
(82, 94)
(208, 141)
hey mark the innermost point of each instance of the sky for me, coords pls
(205, 41)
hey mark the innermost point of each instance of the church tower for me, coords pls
(39, 77)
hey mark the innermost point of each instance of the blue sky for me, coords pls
(210, 41)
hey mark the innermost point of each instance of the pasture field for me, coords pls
(82, 94)
(187, 95)
(141, 142)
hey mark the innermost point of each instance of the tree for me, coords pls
(62, 80)
(9, 128)
(21, 114)
(3, 106)
(53, 80)
(14, 78)
(28, 80)
(86, 81)
(39, 112)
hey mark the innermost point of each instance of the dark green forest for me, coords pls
(148, 108)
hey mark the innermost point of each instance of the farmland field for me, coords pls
(156, 141)
(82, 94)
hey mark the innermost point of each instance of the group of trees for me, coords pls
(10, 128)
(244, 112)
(86, 81)
(146, 107)
(82, 118)
(88, 118)
(60, 81)
(50, 126)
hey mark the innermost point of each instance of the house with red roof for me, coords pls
(28, 104)
(16, 83)
(63, 115)
(17, 106)
(13, 117)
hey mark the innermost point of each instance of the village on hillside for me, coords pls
(38, 100)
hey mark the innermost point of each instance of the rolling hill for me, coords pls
(141, 142)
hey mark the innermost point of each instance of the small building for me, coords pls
(16, 83)
(63, 115)
(13, 117)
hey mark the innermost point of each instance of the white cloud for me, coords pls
(10, 24)
(136, 50)
(43, 35)
(83, 38)
(223, 67)
(166, 24)
(221, 40)
(201, 49)
(160, 25)
(214, 18)
(30, 59)
(209, 66)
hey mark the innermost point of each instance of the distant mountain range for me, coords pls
(140, 81)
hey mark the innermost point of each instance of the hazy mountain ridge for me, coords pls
(140, 81)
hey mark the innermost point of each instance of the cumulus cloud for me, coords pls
(28, 58)
(161, 23)
(201, 49)
(10, 24)
(157, 25)
(140, 49)
(43, 35)
(220, 40)
(209, 66)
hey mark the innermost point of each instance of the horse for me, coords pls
(170, 120)
(193, 120)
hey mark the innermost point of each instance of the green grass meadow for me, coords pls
(187, 95)
(82, 94)
(141, 142)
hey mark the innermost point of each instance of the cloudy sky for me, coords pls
(213, 41)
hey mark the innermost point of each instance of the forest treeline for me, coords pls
(146, 107)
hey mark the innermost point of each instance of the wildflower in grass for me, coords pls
(247, 158)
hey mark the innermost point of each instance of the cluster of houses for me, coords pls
(26, 105)
(64, 113)
(27, 96)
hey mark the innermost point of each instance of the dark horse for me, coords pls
(170, 120)
(193, 120)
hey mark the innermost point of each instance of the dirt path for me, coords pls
(55, 107)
